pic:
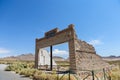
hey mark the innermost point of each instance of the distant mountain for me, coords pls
(29, 57)
(111, 58)
(58, 58)
(26, 57)
(22, 57)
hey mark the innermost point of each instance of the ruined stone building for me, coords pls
(81, 54)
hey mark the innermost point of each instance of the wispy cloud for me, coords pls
(60, 52)
(95, 42)
(4, 51)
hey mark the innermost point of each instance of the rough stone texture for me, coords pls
(86, 57)
(82, 55)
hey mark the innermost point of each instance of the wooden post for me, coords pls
(51, 58)
(104, 74)
(69, 75)
(93, 78)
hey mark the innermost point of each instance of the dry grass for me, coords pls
(115, 74)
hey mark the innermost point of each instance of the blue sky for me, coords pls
(96, 22)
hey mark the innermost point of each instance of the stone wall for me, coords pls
(86, 57)
(66, 35)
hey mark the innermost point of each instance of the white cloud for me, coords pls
(3, 50)
(60, 52)
(95, 42)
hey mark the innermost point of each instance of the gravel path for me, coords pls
(8, 75)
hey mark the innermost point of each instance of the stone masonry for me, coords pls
(82, 55)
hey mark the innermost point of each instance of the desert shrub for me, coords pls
(115, 74)
(51, 77)
(66, 77)
(18, 66)
(36, 75)
(8, 68)
(44, 76)
(26, 69)
(27, 72)
(30, 65)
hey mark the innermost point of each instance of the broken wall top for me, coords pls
(55, 36)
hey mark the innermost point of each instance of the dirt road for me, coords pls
(6, 75)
